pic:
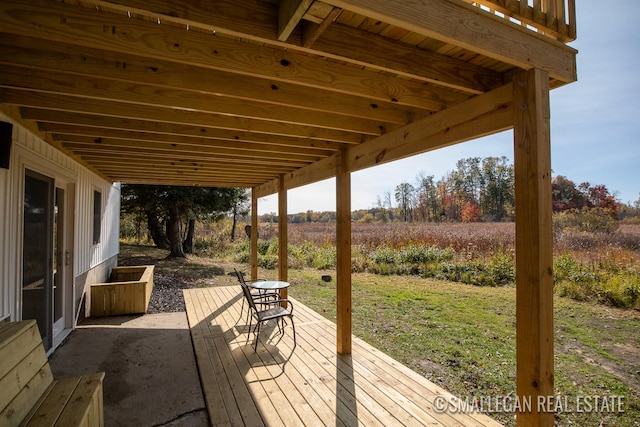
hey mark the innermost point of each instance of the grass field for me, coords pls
(462, 337)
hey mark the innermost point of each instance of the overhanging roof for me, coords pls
(244, 93)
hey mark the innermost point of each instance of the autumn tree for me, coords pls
(471, 212)
(565, 195)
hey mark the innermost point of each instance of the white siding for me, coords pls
(31, 152)
(87, 254)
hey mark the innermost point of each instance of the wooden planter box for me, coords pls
(128, 292)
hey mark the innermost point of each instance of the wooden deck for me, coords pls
(306, 385)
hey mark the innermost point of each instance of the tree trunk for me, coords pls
(187, 245)
(175, 235)
(156, 230)
(233, 226)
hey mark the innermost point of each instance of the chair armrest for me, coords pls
(265, 295)
(277, 301)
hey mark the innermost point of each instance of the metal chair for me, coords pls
(272, 309)
(258, 295)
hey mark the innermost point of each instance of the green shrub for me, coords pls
(324, 258)
(420, 254)
(594, 220)
(501, 268)
(384, 255)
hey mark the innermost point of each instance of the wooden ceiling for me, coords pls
(245, 93)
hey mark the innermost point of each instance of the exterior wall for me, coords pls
(89, 261)
(98, 274)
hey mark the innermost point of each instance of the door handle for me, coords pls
(67, 258)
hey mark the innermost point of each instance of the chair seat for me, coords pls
(271, 313)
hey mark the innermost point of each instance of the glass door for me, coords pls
(37, 253)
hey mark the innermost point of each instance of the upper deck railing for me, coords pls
(554, 18)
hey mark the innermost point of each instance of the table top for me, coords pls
(269, 284)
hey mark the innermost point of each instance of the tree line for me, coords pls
(476, 190)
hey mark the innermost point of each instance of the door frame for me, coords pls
(62, 327)
(67, 180)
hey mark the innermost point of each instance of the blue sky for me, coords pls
(595, 123)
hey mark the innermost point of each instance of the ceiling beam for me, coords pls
(100, 108)
(253, 20)
(100, 158)
(104, 138)
(85, 27)
(197, 132)
(480, 116)
(290, 12)
(465, 25)
(111, 149)
(263, 99)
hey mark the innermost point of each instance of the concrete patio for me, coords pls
(151, 375)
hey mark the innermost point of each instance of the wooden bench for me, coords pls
(29, 396)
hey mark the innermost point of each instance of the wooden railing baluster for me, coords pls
(554, 18)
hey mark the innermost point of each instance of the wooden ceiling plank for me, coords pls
(204, 149)
(257, 170)
(54, 57)
(467, 26)
(152, 154)
(97, 136)
(102, 108)
(185, 181)
(87, 120)
(192, 173)
(219, 173)
(254, 19)
(112, 90)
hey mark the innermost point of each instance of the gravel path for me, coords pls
(167, 295)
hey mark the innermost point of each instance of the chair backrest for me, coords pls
(245, 290)
(240, 277)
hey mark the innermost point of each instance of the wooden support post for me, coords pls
(283, 242)
(534, 246)
(343, 252)
(253, 245)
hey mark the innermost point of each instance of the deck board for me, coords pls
(309, 384)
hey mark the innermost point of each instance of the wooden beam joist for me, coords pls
(253, 20)
(290, 13)
(60, 105)
(467, 26)
(80, 120)
(86, 28)
(125, 146)
(178, 142)
(480, 116)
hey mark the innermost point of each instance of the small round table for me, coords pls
(264, 286)
(269, 285)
